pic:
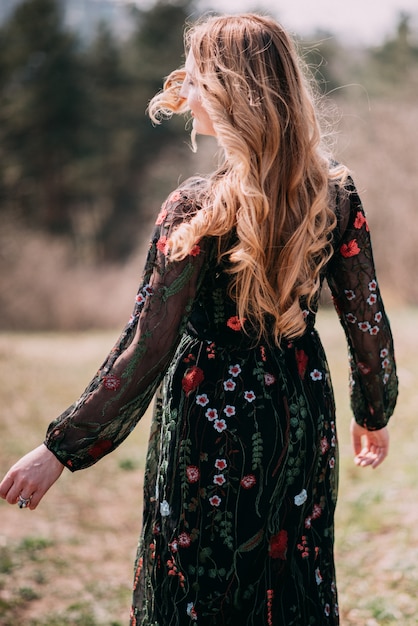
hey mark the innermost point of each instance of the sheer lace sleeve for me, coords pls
(121, 391)
(352, 280)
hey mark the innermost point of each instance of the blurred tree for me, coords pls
(41, 112)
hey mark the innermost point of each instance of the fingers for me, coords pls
(370, 447)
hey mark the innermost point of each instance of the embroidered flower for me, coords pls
(378, 317)
(215, 500)
(192, 473)
(351, 318)
(229, 385)
(278, 545)
(229, 410)
(220, 464)
(385, 363)
(300, 498)
(202, 399)
(349, 249)
(184, 540)
(384, 352)
(302, 362)
(364, 369)
(332, 463)
(161, 216)
(191, 611)
(249, 396)
(269, 379)
(164, 508)
(372, 299)
(248, 481)
(324, 445)
(360, 220)
(373, 285)
(349, 294)
(318, 576)
(219, 479)
(235, 323)
(192, 379)
(211, 414)
(364, 326)
(327, 610)
(148, 290)
(111, 382)
(234, 370)
(316, 375)
(140, 298)
(195, 251)
(374, 330)
(219, 425)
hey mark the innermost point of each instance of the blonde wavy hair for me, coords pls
(273, 187)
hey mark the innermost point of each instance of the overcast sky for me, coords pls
(361, 21)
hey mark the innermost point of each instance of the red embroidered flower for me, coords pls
(215, 500)
(184, 540)
(220, 464)
(195, 251)
(360, 220)
(350, 249)
(100, 448)
(302, 362)
(278, 545)
(111, 382)
(219, 479)
(248, 481)
(235, 323)
(192, 473)
(192, 379)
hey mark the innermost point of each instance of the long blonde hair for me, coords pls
(272, 188)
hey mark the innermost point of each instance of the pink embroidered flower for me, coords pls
(234, 370)
(202, 399)
(229, 410)
(316, 375)
(248, 481)
(140, 298)
(192, 473)
(111, 382)
(317, 511)
(364, 369)
(192, 379)
(249, 396)
(278, 545)
(235, 323)
(162, 244)
(229, 385)
(349, 249)
(215, 500)
(221, 464)
(161, 216)
(219, 425)
(211, 414)
(324, 445)
(269, 379)
(219, 479)
(184, 540)
(175, 196)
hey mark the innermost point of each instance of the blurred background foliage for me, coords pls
(82, 169)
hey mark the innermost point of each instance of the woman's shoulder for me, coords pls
(184, 201)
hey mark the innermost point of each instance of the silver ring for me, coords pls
(22, 502)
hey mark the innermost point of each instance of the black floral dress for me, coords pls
(241, 474)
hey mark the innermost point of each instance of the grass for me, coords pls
(70, 562)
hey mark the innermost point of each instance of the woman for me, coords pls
(241, 473)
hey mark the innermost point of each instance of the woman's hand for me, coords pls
(31, 477)
(370, 447)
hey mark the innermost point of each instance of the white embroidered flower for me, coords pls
(301, 498)
(164, 508)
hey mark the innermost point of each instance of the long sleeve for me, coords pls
(125, 384)
(352, 280)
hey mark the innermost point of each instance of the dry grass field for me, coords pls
(69, 563)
